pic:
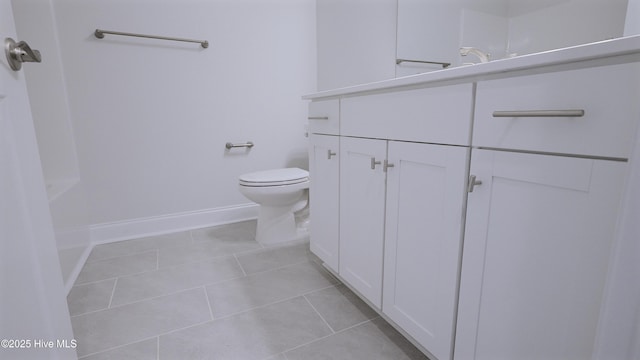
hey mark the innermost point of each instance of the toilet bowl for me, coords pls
(280, 194)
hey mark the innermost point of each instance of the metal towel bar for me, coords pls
(540, 113)
(100, 34)
(444, 64)
(248, 144)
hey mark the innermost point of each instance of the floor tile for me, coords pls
(276, 357)
(255, 334)
(90, 297)
(373, 340)
(119, 266)
(129, 247)
(266, 287)
(340, 307)
(202, 250)
(230, 234)
(169, 280)
(126, 324)
(143, 350)
(275, 257)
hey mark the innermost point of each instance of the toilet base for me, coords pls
(276, 224)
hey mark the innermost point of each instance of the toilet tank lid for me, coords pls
(275, 175)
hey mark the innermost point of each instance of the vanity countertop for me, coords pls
(620, 50)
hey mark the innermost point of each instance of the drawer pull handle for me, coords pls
(539, 113)
(318, 118)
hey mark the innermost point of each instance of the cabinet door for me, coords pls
(324, 197)
(425, 201)
(362, 195)
(537, 242)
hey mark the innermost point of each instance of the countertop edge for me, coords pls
(593, 51)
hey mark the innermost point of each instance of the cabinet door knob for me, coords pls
(473, 182)
(374, 163)
(387, 165)
(330, 154)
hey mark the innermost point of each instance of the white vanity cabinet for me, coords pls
(401, 210)
(362, 210)
(324, 172)
(542, 219)
(403, 169)
(324, 169)
(537, 242)
(478, 206)
(423, 235)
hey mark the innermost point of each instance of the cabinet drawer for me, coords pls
(324, 117)
(436, 115)
(608, 95)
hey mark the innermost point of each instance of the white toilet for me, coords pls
(280, 193)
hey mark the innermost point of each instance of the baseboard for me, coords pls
(73, 276)
(164, 224)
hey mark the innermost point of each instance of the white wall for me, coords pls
(632, 23)
(152, 117)
(356, 42)
(562, 23)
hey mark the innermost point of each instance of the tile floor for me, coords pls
(216, 293)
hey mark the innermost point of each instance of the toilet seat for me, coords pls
(275, 177)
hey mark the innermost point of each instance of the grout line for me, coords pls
(117, 347)
(183, 328)
(157, 336)
(143, 300)
(113, 291)
(274, 302)
(239, 264)
(305, 260)
(326, 336)
(320, 315)
(134, 253)
(208, 302)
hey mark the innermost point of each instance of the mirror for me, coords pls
(435, 30)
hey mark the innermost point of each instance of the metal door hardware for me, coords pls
(330, 154)
(387, 165)
(19, 52)
(473, 183)
(374, 163)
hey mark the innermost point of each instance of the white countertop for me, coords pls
(621, 47)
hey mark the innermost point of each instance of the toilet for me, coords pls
(280, 193)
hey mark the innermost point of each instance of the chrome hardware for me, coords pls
(19, 52)
(248, 144)
(484, 57)
(374, 163)
(473, 183)
(387, 165)
(540, 113)
(100, 34)
(318, 118)
(330, 154)
(444, 64)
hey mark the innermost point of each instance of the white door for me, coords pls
(362, 196)
(324, 166)
(34, 318)
(537, 242)
(425, 202)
